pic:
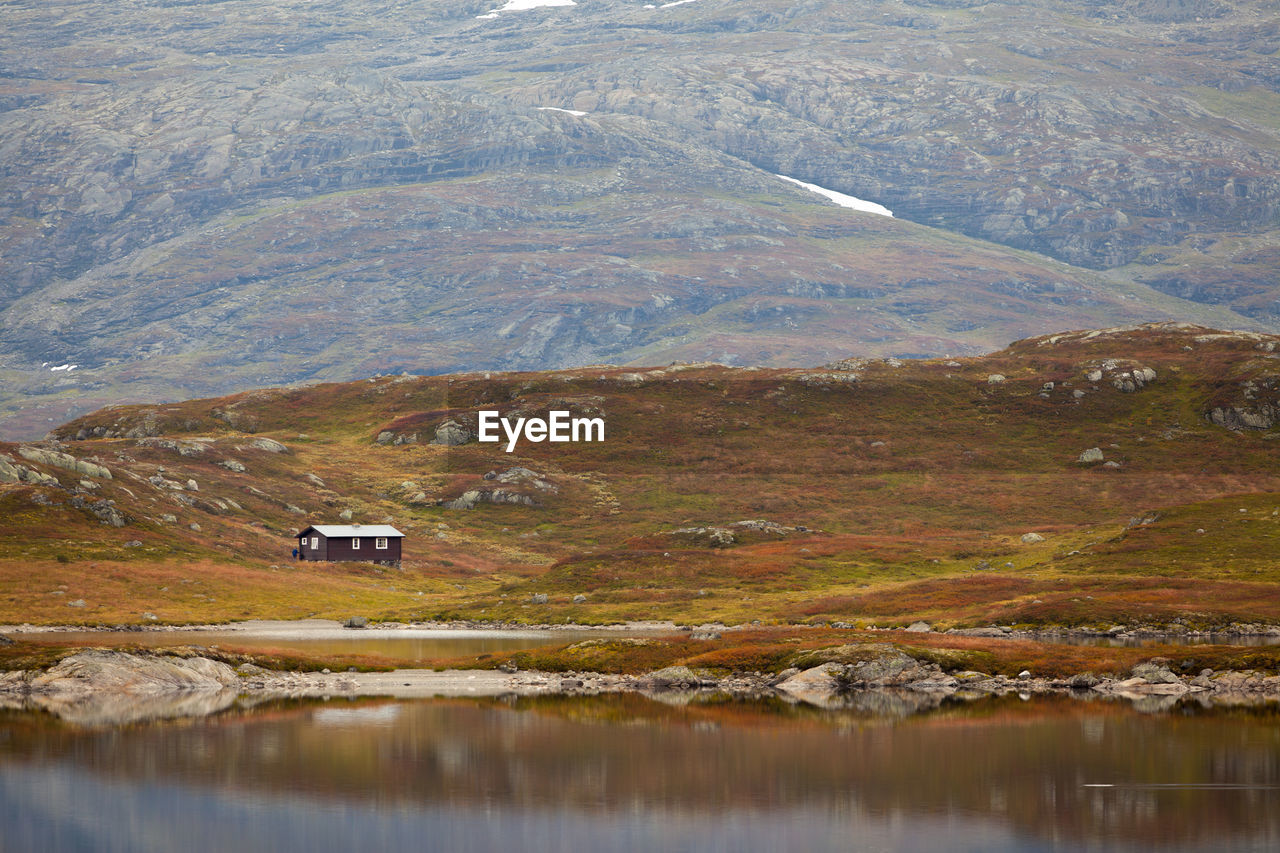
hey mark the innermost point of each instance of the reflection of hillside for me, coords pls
(1022, 763)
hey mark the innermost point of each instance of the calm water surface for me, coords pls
(401, 644)
(630, 773)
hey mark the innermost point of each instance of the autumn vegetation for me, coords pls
(886, 492)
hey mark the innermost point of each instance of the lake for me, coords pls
(320, 637)
(629, 773)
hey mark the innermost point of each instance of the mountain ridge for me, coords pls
(411, 170)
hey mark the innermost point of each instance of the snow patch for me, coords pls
(67, 367)
(842, 199)
(524, 6)
(563, 110)
(674, 3)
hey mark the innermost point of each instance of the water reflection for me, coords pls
(624, 772)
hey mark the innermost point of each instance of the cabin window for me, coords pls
(355, 544)
(380, 543)
(315, 541)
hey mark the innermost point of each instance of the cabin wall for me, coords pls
(340, 550)
(306, 552)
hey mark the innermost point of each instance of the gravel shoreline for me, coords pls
(105, 686)
(304, 628)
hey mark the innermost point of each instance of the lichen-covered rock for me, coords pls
(107, 513)
(451, 434)
(122, 672)
(66, 461)
(470, 498)
(270, 445)
(524, 477)
(1155, 673)
(1259, 416)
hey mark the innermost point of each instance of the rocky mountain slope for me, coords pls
(1120, 477)
(204, 197)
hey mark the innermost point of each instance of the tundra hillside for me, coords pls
(1119, 477)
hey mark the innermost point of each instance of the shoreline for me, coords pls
(306, 628)
(108, 687)
(301, 629)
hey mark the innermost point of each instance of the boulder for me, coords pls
(1093, 454)
(451, 434)
(676, 677)
(890, 665)
(122, 672)
(1154, 672)
(980, 632)
(523, 476)
(919, 628)
(817, 686)
(470, 498)
(1031, 538)
(467, 500)
(270, 445)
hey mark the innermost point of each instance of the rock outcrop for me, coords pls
(102, 670)
(66, 461)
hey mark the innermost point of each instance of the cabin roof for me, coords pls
(353, 530)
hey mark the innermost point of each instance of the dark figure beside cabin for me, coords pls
(366, 543)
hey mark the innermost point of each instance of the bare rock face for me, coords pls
(65, 461)
(472, 497)
(120, 672)
(482, 195)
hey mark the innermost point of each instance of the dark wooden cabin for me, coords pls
(364, 543)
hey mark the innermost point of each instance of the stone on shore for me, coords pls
(122, 672)
(817, 686)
